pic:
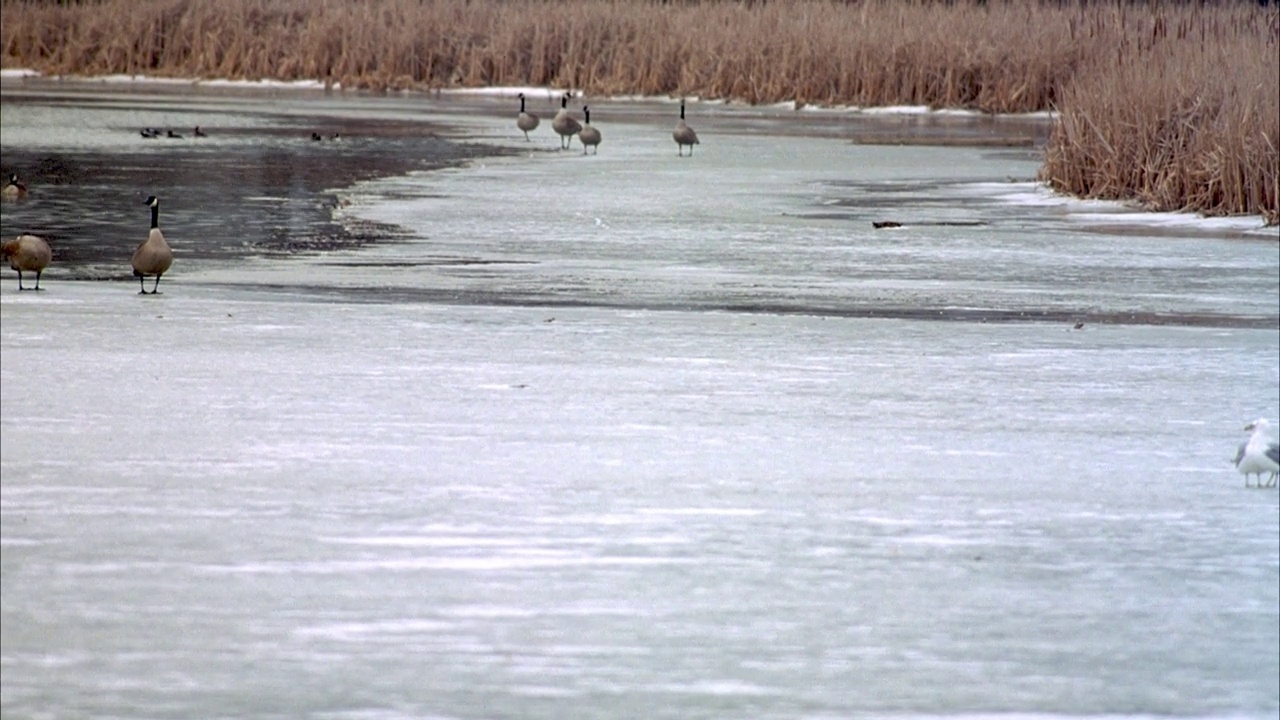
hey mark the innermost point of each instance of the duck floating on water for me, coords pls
(14, 189)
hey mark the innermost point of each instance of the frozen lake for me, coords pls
(630, 435)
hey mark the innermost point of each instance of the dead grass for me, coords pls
(1190, 121)
(1125, 77)
(876, 53)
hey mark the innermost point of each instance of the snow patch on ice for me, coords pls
(1116, 212)
(512, 91)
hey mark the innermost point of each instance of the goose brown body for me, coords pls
(565, 125)
(27, 252)
(14, 189)
(684, 135)
(588, 135)
(526, 121)
(153, 256)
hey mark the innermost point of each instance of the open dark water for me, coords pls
(257, 184)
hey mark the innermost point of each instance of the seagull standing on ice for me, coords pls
(1258, 455)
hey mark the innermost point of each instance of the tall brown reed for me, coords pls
(1121, 75)
(998, 58)
(1186, 117)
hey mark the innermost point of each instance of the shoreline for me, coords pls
(512, 91)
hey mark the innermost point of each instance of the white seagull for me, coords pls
(1259, 455)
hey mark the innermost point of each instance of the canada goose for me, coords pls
(199, 133)
(1258, 455)
(174, 135)
(14, 189)
(526, 121)
(152, 257)
(147, 133)
(684, 135)
(27, 252)
(588, 135)
(564, 124)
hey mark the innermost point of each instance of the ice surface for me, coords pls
(625, 436)
(780, 224)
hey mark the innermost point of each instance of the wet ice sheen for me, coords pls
(437, 494)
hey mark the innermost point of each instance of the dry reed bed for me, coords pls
(1118, 73)
(1192, 126)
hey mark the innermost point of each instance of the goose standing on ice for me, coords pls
(564, 124)
(684, 135)
(1258, 455)
(27, 252)
(589, 136)
(526, 121)
(14, 189)
(153, 257)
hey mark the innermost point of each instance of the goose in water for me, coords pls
(526, 121)
(684, 135)
(173, 135)
(14, 189)
(589, 136)
(27, 252)
(564, 124)
(153, 257)
(199, 133)
(1258, 455)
